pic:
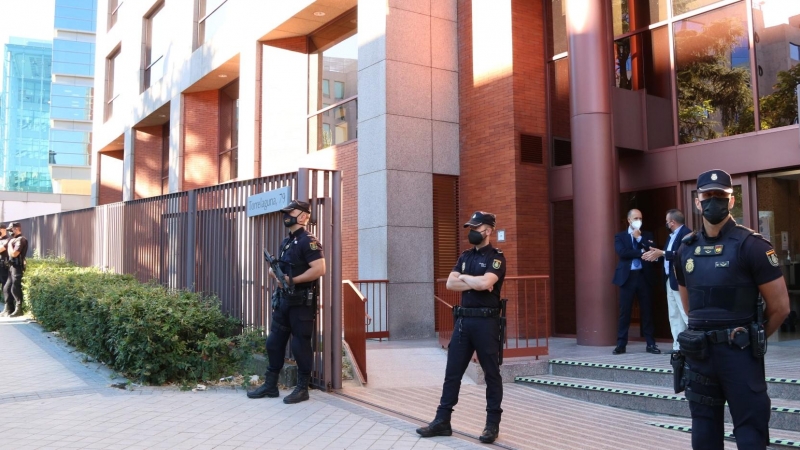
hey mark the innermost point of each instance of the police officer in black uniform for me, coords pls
(17, 251)
(478, 275)
(721, 271)
(302, 262)
(4, 238)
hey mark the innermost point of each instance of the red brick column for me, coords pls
(110, 177)
(147, 148)
(201, 139)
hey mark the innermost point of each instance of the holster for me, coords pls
(693, 344)
(678, 362)
(299, 297)
(758, 340)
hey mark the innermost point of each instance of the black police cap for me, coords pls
(297, 204)
(715, 180)
(480, 218)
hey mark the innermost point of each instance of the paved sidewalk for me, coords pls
(50, 399)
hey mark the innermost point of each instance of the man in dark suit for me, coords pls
(634, 277)
(678, 321)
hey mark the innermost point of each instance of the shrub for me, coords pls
(143, 330)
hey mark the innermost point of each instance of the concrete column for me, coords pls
(176, 143)
(407, 98)
(128, 163)
(594, 174)
(248, 82)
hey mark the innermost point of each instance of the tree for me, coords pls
(713, 95)
(779, 108)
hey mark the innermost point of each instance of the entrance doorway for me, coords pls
(654, 204)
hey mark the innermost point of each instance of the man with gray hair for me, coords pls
(678, 321)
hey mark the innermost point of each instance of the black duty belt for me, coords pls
(460, 311)
(725, 336)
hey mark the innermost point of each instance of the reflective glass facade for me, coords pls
(72, 92)
(25, 116)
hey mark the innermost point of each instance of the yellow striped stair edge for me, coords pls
(601, 389)
(685, 429)
(566, 362)
(609, 366)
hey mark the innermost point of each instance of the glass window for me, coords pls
(72, 69)
(334, 59)
(229, 132)
(110, 87)
(630, 15)
(713, 75)
(683, 6)
(156, 43)
(338, 90)
(658, 86)
(113, 12)
(211, 15)
(557, 26)
(776, 24)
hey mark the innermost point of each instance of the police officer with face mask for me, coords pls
(4, 238)
(724, 271)
(303, 263)
(478, 275)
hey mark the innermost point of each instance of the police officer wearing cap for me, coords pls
(4, 238)
(721, 271)
(478, 275)
(302, 262)
(17, 252)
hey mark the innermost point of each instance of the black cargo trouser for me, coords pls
(12, 289)
(296, 322)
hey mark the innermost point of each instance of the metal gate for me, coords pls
(202, 240)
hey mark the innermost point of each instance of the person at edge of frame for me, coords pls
(302, 262)
(721, 271)
(4, 238)
(478, 275)
(17, 252)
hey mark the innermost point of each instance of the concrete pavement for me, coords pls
(50, 398)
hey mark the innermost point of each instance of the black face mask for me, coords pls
(475, 237)
(288, 220)
(668, 228)
(715, 209)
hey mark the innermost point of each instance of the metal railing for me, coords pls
(377, 307)
(527, 314)
(203, 240)
(355, 335)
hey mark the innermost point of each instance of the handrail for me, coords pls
(442, 301)
(354, 328)
(377, 306)
(360, 295)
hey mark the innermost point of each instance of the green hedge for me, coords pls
(144, 331)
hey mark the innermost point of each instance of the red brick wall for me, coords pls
(110, 177)
(201, 139)
(347, 162)
(147, 147)
(530, 117)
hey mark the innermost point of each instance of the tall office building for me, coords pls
(25, 116)
(71, 96)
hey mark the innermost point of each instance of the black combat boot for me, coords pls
(17, 312)
(490, 433)
(6, 310)
(439, 427)
(300, 392)
(268, 389)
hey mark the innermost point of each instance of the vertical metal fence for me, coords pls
(527, 314)
(202, 240)
(376, 293)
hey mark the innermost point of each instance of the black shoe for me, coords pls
(618, 350)
(17, 313)
(300, 392)
(671, 351)
(653, 349)
(268, 389)
(490, 433)
(439, 427)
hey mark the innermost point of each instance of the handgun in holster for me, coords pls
(758, 336)
(503, 303)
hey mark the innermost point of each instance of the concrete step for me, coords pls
(779, 388)
(786, 440)
(653, 399)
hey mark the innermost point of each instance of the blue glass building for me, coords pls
(72, 95)
(25, 116)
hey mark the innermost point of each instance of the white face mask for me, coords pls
(636, 224)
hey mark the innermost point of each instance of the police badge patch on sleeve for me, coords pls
(496, 264)
(772, 257)
(313, 245)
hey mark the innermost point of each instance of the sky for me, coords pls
(28, 18)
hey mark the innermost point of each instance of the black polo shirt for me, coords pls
(297, 252)
(756, 253)
(477, 262)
